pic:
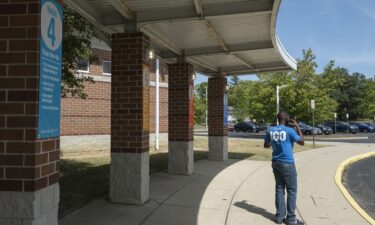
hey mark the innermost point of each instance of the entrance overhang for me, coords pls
(229, 37)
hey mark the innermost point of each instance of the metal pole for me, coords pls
(313, 128)
(335, 124)
(206, 109)
(277, 102)
(157, 105)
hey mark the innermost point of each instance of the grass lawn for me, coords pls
(85, 173)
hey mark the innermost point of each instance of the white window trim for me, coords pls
(97, 78)
(106, 74)
(88, 68)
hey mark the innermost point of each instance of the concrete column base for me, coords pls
(181, 157)
(218, 148)
(129, 178)
(30, 208)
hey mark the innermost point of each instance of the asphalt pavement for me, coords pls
(359, 179)
(360, 138)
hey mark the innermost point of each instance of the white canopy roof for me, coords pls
(217, 36)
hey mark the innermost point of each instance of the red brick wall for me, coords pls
(163, 70)
(87, 116)
(181, 110)
(163, 110)
(216, 89)
(163, 98)
(130, 95)
(27, 164)
(91, 116)
(96, 68)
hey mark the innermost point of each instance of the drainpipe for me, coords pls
(157, 105)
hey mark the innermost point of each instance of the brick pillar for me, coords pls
(29, 167)
(181, 118)
(217, 118)
(130, 115)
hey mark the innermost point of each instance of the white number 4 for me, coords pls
(51, 31)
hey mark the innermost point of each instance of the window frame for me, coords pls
(88, 67)
(106, 74)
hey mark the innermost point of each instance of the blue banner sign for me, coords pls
(50, 69)
(225, 109)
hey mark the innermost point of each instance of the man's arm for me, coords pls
(299, 132)
(267, 140)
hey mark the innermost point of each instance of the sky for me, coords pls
(340, 30)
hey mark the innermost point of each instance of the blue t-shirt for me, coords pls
(282, 139)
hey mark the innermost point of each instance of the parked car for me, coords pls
(309, 130)
(230, 126)
(365, 128)
(265, 126)
(342, 127)
(246, 127)
(325, 129)
(371, 124)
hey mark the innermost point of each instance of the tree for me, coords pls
(234, 80)
(346, 89)
(257, 99)
(200, 103)
(307, 87)
(77, 36)
(262, 100)
(367, 106)
(238, 98)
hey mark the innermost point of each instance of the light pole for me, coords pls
(313, 119)
(347, 120)
(335, 121)
(278, 88)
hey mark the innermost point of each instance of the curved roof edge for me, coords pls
(278, 46)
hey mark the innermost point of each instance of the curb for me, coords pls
(338, 178)
(340, 138)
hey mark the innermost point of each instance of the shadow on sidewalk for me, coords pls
(85, 180)
(255, 209)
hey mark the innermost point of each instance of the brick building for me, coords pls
(180, 32)
(91, 116)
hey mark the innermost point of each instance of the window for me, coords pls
(107, 67)
(83, 65)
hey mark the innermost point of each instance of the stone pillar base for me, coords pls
(130, 179)
(181, 157)
(218, 148)
(30, 208)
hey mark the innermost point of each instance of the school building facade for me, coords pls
(92, 116)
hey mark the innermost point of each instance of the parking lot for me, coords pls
(359, 179)
(340, 137)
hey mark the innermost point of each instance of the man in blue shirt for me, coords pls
(282, 139)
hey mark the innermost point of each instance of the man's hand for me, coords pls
(302, 141)
(294, 123)
(267, 145)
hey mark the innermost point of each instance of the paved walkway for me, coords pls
(234, 193)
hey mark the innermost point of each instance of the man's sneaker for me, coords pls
(298, 222)
(279, 221)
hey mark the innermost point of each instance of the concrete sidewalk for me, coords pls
(234, 193)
